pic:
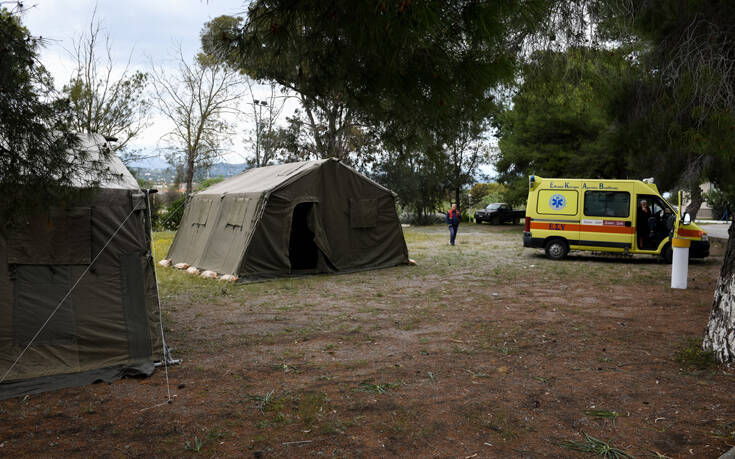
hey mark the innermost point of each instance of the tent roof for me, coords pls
(259, 179)
(118, 176)
(268, 178)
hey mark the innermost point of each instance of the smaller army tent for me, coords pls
(291, 219)
(106, 323)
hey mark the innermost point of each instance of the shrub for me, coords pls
(167, 210)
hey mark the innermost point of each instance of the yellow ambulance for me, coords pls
(626, 216)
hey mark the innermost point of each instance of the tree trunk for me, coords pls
(720, 332)
(696, 201)
(189, 173)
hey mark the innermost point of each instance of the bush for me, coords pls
(486, 193)
(167, 211)
(421, 220)
(208, 182)
(719, 202)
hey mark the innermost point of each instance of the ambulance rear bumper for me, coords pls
(532, 242)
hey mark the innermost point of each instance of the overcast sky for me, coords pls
(148, 28)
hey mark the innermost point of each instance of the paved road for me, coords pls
(717, 230)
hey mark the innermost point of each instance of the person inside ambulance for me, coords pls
(654, 222)
(645, 224)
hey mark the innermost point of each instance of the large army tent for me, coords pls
(98, 249)
(291, 219)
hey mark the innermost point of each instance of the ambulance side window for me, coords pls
(607, 204)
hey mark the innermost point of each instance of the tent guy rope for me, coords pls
(166, 353)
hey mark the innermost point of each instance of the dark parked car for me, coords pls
(499, 212)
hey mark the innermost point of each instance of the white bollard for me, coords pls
(680, 263)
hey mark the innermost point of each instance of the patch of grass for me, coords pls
(460, 350)
(310, 405)
(596, 447)
(409, 324)
(476, 374)
(378, 388)
(194, 445)
(724, 432)
(497, 421)
(692, 355)
(405, 424)
(265, 402)
(605, 414)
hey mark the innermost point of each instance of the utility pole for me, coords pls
(258, 126)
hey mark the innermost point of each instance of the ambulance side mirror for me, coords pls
(687, 219)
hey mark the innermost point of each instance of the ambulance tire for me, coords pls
(557, 249)
(667, 254)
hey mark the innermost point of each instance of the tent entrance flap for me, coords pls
(302, 250)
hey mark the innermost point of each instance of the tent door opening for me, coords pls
(302, 250)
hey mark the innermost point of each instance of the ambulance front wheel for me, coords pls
(557, 249)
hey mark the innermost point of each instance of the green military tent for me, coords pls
(291, 219)
(91, 263)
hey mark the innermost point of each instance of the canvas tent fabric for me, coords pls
(108, 327)
(291, 219)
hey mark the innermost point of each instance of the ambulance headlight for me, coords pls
(705, 237)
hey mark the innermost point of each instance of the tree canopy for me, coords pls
(389, 64)
(562, 120)
(100, 102)
(37, 147)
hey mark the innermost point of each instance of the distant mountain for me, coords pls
(154, 162)
(167, 174)
(221, 170)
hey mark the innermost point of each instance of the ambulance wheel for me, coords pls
(557, 249)
(667, 254)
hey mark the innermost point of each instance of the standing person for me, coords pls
(453, 222)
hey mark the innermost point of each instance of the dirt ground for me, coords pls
(484, 349)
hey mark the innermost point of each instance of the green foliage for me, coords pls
(692, 355)
(37, 147)
(596, 447)
(424, 58)
(195, 444)
(206, 183)
(560, 123)
(377, 388)
(113, 108)
(486, 193)
(419, 181)
(416, 74)
(721, 203)
(145, 183)
(681, 109)
(167, 211)
(605, 414)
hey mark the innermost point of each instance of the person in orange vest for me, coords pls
(453, 222)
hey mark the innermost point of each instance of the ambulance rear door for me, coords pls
(557, 214)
